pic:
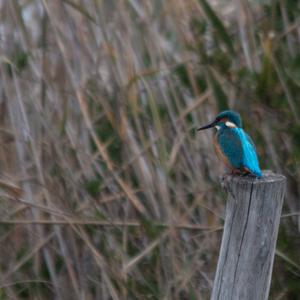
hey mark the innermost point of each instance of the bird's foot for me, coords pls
(236, 172)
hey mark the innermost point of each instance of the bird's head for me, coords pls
(225, 119)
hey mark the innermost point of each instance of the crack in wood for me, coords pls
(242, 240)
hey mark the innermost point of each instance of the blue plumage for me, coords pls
(238, 149)
(233, 145)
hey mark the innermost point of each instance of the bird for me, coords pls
(233, 145)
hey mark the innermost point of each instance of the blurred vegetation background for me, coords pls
(107, 192)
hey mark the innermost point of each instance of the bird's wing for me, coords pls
(250, 160)
(231, 146)
(250, 140)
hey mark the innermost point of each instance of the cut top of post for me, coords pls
(267, 177)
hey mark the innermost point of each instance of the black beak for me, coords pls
(210, 125)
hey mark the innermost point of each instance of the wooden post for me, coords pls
(249, 239)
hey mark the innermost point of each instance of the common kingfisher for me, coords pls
(233, 145)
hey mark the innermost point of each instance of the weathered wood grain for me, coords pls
(249, 239)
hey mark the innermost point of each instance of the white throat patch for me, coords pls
(218, 127)
(230, 124)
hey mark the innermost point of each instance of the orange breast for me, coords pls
(220, 153)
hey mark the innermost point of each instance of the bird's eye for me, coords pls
(221, 120)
